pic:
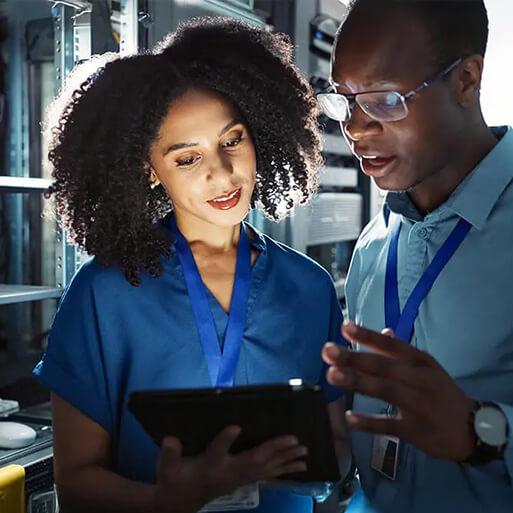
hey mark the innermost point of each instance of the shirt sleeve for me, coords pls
(335, 335)
(508, 453)
(72, 366)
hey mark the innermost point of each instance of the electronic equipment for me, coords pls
(37, 460)
(263, 412)
(14, 435)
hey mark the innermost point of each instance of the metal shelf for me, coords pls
(10, 294)
(22, 184)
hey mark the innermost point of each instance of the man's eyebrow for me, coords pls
(375, 83)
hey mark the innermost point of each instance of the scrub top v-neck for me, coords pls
(110, 338)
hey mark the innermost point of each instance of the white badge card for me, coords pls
(245, 497)
(385, 454)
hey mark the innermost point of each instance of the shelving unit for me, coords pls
(23, 184)
(10, 294)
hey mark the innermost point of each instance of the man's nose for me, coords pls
(360, 125)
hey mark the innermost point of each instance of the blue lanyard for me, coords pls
(221, 365)
(403, 323)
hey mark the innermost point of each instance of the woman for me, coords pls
(157, 160)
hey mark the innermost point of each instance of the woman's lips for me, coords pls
(378, 166)
(226, 201)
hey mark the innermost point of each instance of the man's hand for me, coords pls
(433, 412)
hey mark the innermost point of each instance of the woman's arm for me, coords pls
(85, 481)
(336, 411)
(82, 467)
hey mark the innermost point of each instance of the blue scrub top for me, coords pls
(465, 322)
(110, 338)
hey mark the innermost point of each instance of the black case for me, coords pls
(195, 416)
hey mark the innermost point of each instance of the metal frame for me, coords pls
(71, 36)
(128, 40)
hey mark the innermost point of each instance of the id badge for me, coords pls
(385, 454)
(245, 497)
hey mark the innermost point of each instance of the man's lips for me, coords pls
(377, 166)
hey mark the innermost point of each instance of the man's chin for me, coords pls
(389, 184)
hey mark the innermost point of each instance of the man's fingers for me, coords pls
(220, 445)
(398, 394)
(379, 424)
(384, 344)
(384, 367)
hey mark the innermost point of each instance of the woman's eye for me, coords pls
(233, 142)
(187, 161)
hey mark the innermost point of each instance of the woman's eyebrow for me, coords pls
(231, 124)
(179, 146)
(182, 145)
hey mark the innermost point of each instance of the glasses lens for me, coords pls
(383, 106)
(333, 105)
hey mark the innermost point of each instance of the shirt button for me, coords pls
(423, 233)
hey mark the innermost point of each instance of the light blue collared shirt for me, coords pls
(465, 322)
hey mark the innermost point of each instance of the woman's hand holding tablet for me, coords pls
(217, 472)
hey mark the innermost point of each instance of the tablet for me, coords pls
(195, 416)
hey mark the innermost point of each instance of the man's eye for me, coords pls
(188, 161)
(233, 142)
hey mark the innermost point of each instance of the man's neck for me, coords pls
(436, 189)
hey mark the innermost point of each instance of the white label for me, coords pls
(246, 497)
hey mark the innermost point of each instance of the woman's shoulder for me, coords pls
(290, 261)
(92, 275)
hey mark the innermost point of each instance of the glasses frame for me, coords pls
(351, 100)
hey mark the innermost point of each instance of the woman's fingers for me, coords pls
(267, 450)
(220, 446)
(290, 468)
(287, 456)
(170, 456)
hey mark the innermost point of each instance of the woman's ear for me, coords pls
(153, 179)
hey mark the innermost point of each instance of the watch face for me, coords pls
(491, 425)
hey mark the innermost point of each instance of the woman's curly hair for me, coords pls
(102, 131)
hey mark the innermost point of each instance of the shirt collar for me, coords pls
(256, 238)
(475, 197)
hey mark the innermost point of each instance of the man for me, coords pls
(433, 406)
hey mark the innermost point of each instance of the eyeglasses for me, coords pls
(378, 105)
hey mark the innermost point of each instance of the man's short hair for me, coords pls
(458, 28)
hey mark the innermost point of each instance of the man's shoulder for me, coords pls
(374, 235)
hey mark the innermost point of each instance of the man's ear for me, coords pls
(468, 77)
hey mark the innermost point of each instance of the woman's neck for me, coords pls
(207, 236)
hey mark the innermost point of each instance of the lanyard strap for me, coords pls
(403, 323)
(221, 364)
